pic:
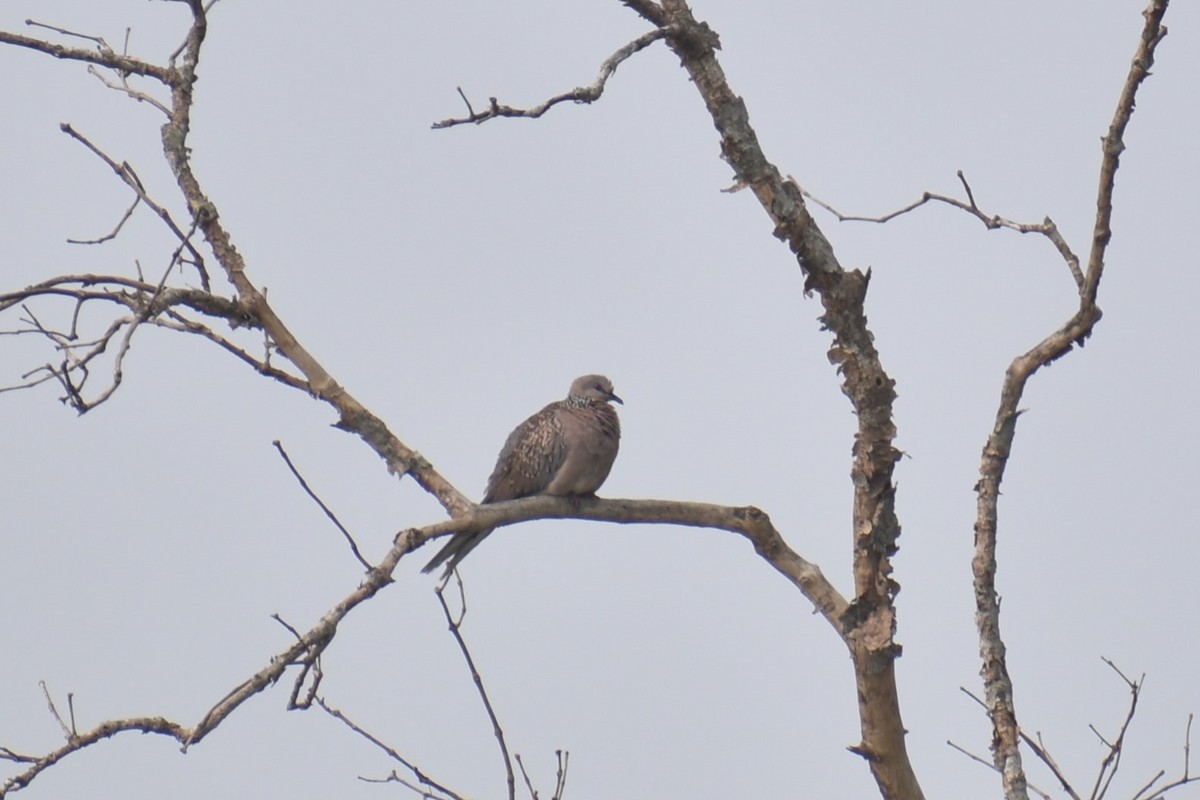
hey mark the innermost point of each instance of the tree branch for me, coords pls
(1046, 227)
(869, 623)
(455, 626)
(251, 302)
(103, 58)
(420, 775)
(747, 521)
(321, 504)
(998, 689)
(581, 94)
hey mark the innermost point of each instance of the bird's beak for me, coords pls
(615, 399)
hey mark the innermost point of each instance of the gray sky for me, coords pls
(457, 280)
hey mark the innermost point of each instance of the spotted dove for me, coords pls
(565, 450)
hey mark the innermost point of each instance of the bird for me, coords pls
(566, 450)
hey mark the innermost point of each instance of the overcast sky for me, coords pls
(455, 281)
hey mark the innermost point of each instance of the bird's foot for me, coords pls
(577, 499)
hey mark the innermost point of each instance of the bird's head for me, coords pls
(594, 388)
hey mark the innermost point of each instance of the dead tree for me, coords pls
(205, 288)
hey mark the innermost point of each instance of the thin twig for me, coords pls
(67, 731)
(126, 173)
(991, 766)
(1045, 228)
(560, 783)
(1185, 777)
(1043, 754)
(525, 775)
(126, 89)
(455, 626)
(101, 45)
(420, 775)
(1111, 762)
(116, 230)
(309, 664)
(328, 513)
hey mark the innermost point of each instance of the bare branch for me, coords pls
(996, 451)
(68, 731)
(1112, 759)
(870, 622)
(560, 783)
(1039, 750)
(1184, 778)
(11, 755)
(304, 652)
(747, 521)
(177, 322)
(146, 302)
(649, 10)
(424, 779)
(180, 76)
(332, 517)
(455, 625)
(78, 742)
(581, 94)
(128, 90)
(130, 178)
(1114, 142)
(101, 44)
(970, 755)
(286, 625)
(104, 58)
(991, 766)
(1045, 228)
(533, 795)
(353, 416)
(1037, 747)
(116, 229)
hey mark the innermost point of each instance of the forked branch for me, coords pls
(998, 689)
(1045, 228)
(252, 308)
(305, 652)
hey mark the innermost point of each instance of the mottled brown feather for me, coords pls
(566, 449)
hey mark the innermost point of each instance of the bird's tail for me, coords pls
(455, 550)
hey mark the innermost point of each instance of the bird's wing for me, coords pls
(531, 457)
